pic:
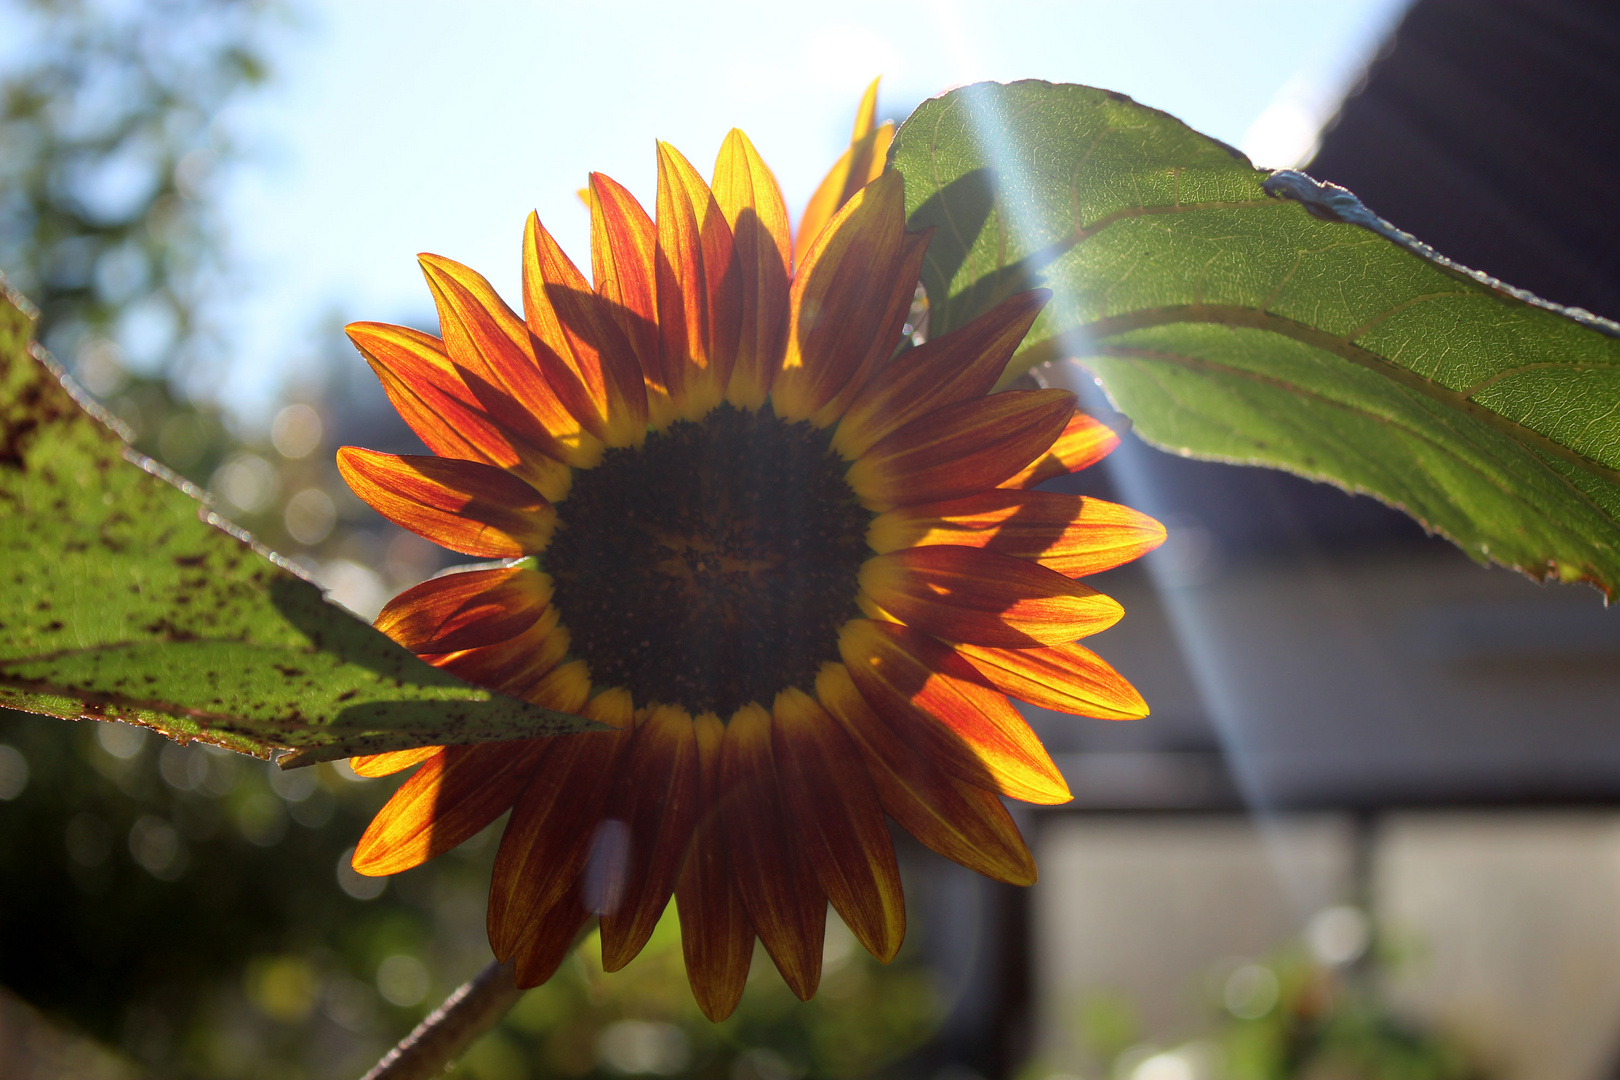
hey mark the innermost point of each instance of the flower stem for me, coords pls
(473, 1009)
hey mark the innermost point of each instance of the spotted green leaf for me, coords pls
(1263, 319)
(123, 598)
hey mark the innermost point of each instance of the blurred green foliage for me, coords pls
(1292, 1017)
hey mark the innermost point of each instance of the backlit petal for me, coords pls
(454, 795)
(961, 821)
(959, 366)
(700, 289)
(778, 886)
(969, 594)
(624, 243)
(1064, 678)
(548, 939)
(431, 397)
(1071, 534)
(466, 506)
(580, 347)
(748, 196)
(514, 665)
(466, 610)
(717, 940)
(827, 794)
(491, 346)
(1085, 441)
(856, 167)
(550, 834)
(940, 704)
(657, 797)
(375, 765)
(843, 299)
(961, 448)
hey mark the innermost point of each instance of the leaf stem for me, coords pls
(473, 1009)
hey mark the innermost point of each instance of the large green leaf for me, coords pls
(122, 598)
(1264, 319)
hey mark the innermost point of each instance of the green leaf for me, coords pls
(123, 598)
(1264, 319)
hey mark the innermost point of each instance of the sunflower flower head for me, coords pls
(794, 572)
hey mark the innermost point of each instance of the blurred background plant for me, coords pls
(1316, 1009)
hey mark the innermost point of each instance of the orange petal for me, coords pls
(959, 366)
(968, 594)
(1064, 678)
(751, 201)
(393, 761)
(466, 506)
(566, 688)
(855, 168)
(580, 347)
(657, 797)
(514, 665)
(551, 936)
(429, 394)
(452, 796)
(827, 794)
(549, 837)
(778, 887)
(700, 289)
(1072, 534)
(843, 298)
(491, 346)
(466, 610)
(717, 940)
(623, 257)
(961, 821)
(940, 704)
(1085, 441)
(960, 449)
(886, 339)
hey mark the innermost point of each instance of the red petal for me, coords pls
(717, 940)
(466, 610)
(466, 506)
(549, 837)
(844, 297)
(699, 289)
(960, 449)
(778, 887)
(855, 168)
(942, 706)
(1084, 442)
(961, 821)
(968, 594)
(551, 936)
(960, 366)
(657, 797)
(581, 347)
(748, 196)
(491, 345)
(453, 796)
(827, 794)
(623, 256)
(1071, 534)
(429, 394)
(514, 665)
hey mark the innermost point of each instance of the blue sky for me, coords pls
(394, 127)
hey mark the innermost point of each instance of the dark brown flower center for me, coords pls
(713, 566)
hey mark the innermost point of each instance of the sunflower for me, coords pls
(792, 570)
